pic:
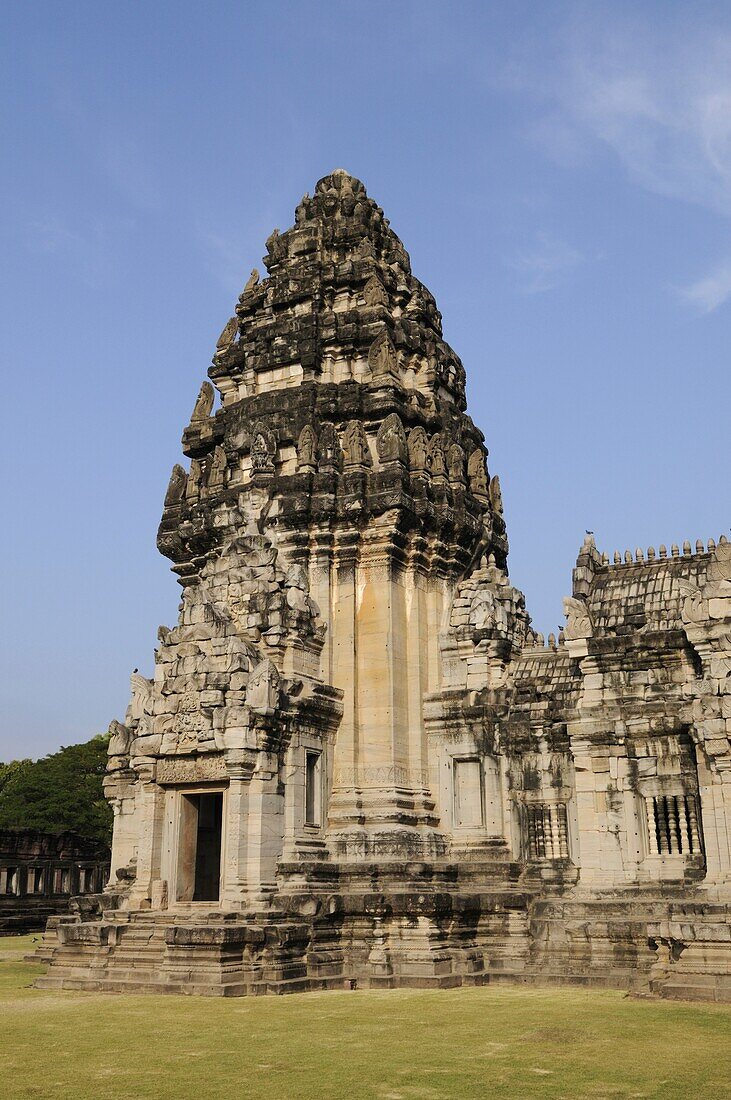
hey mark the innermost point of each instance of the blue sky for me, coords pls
(560, 174)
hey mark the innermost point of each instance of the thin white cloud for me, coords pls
(657, 95)
(709, 293)
(545, 264)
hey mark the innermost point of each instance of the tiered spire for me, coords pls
(339, 303)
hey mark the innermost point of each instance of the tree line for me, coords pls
(61, 792)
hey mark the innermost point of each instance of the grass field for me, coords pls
(489, 1042)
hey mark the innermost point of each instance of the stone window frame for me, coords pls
(675, 787)
(559, 835)
(494, 791)
(306, 739)
(10, 881)
(86, 875)
(310, 741)
(315, 823)
(32, 870)
(61, 881)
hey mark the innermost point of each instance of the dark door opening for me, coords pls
(199, 867)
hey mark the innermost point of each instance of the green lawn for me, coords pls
(490, 1042)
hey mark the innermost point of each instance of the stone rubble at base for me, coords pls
(356, 761)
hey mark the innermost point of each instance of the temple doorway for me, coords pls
(199, 847)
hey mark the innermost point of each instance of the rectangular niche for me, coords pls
(469, 810)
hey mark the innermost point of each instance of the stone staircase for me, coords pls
(116, 956)
(176, 953)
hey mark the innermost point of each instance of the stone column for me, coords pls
(714, 790)
(265, 829)
(706, 615)
(150, 816)
(379, 803)
(235, 863)
(322, 590)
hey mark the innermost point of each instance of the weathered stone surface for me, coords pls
(356, 760)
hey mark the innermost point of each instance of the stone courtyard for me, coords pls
(357, 763)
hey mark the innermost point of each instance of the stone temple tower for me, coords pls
(355, 759)
(333, 503)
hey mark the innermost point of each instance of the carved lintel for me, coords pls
(196, 769)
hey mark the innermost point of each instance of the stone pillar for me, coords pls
(714, 790)
(343, 650)
(120, 787)
(706, 615)
(236, 829)
(380, 804)
(417, 598)
(264, 829)
(150, 814)
(322, 591)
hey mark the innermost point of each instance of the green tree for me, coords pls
(8, 771)
(60, 792)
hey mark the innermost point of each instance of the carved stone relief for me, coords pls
(391, 440)
(228, 336)
(355, 445)
(307, 448)
(204, 403)
(477, 474)
(418, 447)
(329, 451)
(176, 486)
(382, 358)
